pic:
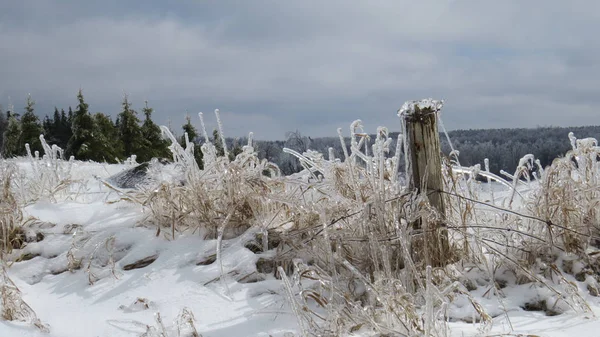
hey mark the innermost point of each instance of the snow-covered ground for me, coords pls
(109, 297)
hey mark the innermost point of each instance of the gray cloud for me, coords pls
(274, 66)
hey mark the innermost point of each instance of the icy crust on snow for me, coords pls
(123, 302)
(410, 107)
(84, 277)
(127, 275)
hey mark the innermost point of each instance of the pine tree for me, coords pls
(237, 149)
(11, 136)
(56, 121)
(107, 145)
(70, 115)
(189, 128)
(31, 128)
(67, 128)
(64, 130)
(154, 144)
(52, 128)
(130, 132)
(57, 129)
(80, 144)
(49, 130)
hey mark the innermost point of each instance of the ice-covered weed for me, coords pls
(353, 230)
(11, 217)
(183, 326)
(568, 198)
(355, 241)
(207, 196)
(51, 174)
(339, 233)
(12, 305)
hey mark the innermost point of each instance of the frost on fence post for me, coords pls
(424, 173)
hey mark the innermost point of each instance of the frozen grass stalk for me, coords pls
(203, 126)
(221, 134)
(348, 234)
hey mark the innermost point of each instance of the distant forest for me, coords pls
(93, 136)
(503, 147)
(97, 137)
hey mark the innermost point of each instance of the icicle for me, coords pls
(221, 134)
(187, 140)
(296, 308)
(408, 169)
(204, 133)
(453, 152)
(250, 139)
(32, 160)
(397, 157)
(221, 231)
(429, 302)
(265, 239)
(486, 163)
(344, 149)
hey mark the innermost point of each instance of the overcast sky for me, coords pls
(275, 66)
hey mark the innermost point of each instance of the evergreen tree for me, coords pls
(11, 137)
(81, 144)
(47, 125)
(57, 129)
(52, 127)
(49, 130)
(130, 132)
(56, 121)
(108, 146)
(237, 149)
(63, 130)
(31, 128)
(154, 144)
(63, 119)
(70, 116)
(189, 128)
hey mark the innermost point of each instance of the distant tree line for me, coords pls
(503, 147)
(95, 136)
(91, 136)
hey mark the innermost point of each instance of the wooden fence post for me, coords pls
(424, 173)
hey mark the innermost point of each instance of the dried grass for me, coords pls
(12, 236)
(11, 217)
(341, 231)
